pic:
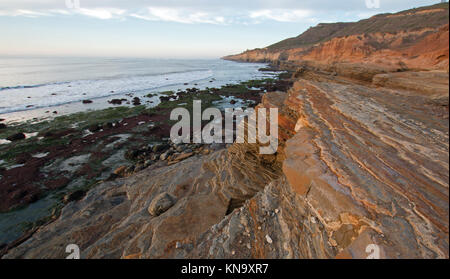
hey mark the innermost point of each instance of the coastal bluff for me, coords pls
(362, 166)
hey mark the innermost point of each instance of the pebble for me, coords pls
(268, 239)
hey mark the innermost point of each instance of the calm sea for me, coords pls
(30, 87)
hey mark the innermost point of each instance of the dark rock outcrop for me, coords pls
(16, 137)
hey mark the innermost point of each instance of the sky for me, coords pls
(167, 28)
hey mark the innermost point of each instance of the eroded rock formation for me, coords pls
(362, 163)
(410, 40)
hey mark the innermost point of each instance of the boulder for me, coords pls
(161, 204)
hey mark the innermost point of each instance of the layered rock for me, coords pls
(362, 167)
(411, 40)
(113, 220)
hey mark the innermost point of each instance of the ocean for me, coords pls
(34, 88)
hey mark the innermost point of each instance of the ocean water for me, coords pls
(32, 87)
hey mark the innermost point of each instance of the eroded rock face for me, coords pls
(113, 220)
(361, 166)
(375, 159)
(413, 40)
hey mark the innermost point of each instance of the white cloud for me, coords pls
(168, 14)
(281, 15)
(205, 11)
(101, 13)
(179, 15)
(26, 13)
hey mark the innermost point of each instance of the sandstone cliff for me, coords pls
(410, 40)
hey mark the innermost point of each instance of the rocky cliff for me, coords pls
(409, 40)
(362, 166)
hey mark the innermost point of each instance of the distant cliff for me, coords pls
(415, 39)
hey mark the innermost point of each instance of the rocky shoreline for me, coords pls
(60, 160)
(361, 169)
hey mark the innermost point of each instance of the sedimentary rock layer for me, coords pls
(410, 40)
(361, 166)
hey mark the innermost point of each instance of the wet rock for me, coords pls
(232, 102)
(87, 102)
(108, 125)
(161, 204)
(132, 154)
(161, 147)
(117, 101)
(164, 98)
(139, 167)
(16, 137)
(136, 101)
(94, 128)
(75, 196)
(112, 177)
(130, 169)
(2, 126)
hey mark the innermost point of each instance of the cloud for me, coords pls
(26, 13)
(168, 14)
(101, 13)
(178, 15)
(281, 15)
(204, 11)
